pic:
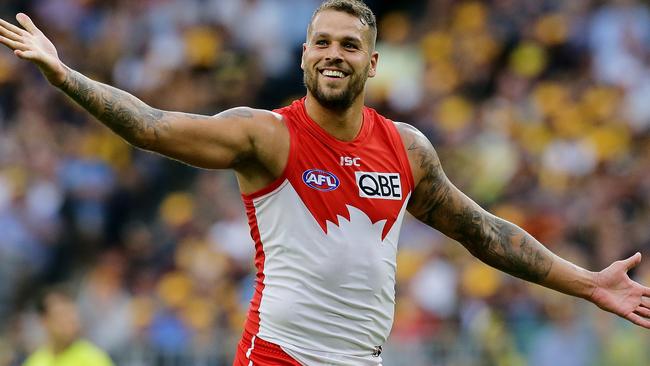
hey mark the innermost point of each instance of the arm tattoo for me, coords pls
(495, 241)
(436, 193)
(502, 244)
(123, 113)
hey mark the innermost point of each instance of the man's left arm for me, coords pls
(507, 247)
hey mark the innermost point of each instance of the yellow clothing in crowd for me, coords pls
(80, 353)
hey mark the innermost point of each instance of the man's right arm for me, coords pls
(221, 141)
(226, 140)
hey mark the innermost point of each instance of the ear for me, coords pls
(302, 58)
(374, 59)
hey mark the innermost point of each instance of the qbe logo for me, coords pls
(386, 186)
(320, 180)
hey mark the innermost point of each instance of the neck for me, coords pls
(343, 125)
(60, 346)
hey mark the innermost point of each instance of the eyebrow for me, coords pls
(346, 38)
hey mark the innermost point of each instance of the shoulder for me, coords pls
(266, 133)
(269, 125)
(260, 124)
(414, 140)
(38, 358)
(422, 156)
(250, 114)
(410, 135)
(88, 353)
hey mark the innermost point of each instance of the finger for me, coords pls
(9, 34)
(632, 261)
(5, 24)
(26, 55)
(645, 302)
(639, 320)
(27, 23)
(643, 311)
(12, 44)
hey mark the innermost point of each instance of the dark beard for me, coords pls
(340, 101)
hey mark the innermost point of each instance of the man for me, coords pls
(64, 346)
(326, 182)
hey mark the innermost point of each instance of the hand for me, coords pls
(617, 293)
(32, 45)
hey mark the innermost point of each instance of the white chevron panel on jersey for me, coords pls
(328, 292)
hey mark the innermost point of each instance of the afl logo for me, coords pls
(320, 180)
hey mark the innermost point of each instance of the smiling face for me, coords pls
(338, 58)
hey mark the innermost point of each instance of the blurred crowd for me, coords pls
(538, 109)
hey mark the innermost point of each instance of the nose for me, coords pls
(334, 53)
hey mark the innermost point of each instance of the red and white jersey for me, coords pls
(326, 235)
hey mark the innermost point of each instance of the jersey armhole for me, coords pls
(402, 155)
(285, 172)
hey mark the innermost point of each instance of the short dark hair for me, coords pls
(356, 8)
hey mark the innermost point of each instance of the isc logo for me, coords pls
(320, 180)
(379, 185)
(348, 161)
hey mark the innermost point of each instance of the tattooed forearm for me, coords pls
(502, 245)
(496, 242)
(125, 114)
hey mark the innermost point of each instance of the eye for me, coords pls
(350, 46)
(321, 42)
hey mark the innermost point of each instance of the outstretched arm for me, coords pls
(507, 247)
(221, 141)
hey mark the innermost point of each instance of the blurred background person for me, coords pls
(64, 345)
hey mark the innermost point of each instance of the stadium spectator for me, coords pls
(64, 345)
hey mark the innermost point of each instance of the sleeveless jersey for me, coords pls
(325, 235)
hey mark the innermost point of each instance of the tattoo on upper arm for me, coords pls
(122, 112)
(433, 190)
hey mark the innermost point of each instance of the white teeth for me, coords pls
(333, 73)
